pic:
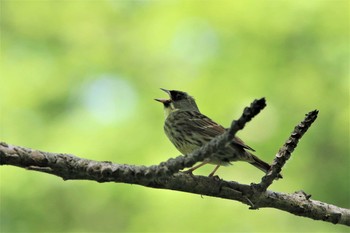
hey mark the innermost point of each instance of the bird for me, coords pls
(188, 129)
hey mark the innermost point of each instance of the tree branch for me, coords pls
(166, 175)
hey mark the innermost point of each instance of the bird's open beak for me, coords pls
(164, 100)
(161, 100)
(165, 90)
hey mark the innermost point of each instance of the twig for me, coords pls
(285, 152)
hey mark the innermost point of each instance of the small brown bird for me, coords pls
(188, 129)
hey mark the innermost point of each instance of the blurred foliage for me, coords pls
(80, 77)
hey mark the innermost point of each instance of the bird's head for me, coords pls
(179, 100)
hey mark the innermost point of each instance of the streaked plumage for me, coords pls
(188, 130)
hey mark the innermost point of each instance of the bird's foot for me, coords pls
(216, 177)
(189, 172)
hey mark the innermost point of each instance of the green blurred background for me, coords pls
(80, 77)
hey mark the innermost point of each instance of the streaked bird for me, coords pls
(188, 129)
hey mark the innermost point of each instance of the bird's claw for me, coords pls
(216, 177)
(189, 172)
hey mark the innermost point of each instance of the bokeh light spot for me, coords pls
(109, 98)
(195, 42)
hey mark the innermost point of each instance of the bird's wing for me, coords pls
(202, 124)
(199, 123)
(239, 141)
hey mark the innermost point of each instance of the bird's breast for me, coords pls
(177, 132)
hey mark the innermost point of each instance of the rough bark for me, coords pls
(166, 175)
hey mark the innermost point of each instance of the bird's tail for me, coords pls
(258, 163)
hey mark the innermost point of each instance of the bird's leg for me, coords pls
(215, 169)
(189, 171)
